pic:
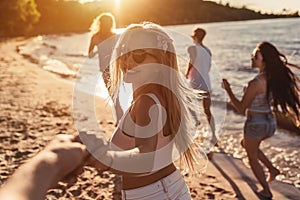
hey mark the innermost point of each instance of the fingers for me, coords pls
(72, 154)
(93, 141)
(71, 178)
(95, 163)
(225, 84)
(80, 149)
(225, 81)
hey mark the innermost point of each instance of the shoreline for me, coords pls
(67, 33)
(36, 105)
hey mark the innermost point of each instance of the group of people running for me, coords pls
(158, 129)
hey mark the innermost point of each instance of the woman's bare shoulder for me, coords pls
(256, 85)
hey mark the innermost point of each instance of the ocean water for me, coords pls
(231, 44)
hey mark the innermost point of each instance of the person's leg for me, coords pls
(262, 157)
(209, 116)
(252, 148)
(273, 171)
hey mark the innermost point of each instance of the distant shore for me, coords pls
(56, 17)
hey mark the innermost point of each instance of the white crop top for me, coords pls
(125, 140)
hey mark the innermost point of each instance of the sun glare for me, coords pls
(86, 1)
(117, 4)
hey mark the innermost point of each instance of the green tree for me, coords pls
(17, 17)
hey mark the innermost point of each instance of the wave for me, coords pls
(58, 67)
(38, 51)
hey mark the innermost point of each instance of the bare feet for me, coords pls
(272, 175)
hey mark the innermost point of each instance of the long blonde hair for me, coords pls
(104, 23)
(178, 98)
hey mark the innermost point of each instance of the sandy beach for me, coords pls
(35, 105)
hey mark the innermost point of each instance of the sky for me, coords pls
(265, 6)
(268, 6)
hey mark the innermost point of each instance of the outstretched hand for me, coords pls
(70, 156)
(225, 84)
(97, 148)
(60, 158)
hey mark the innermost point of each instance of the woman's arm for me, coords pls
(192, 54)
(33, 179)
(91, 52)
(248, 97)
(140, 158)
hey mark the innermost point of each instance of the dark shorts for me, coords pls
(260, 126)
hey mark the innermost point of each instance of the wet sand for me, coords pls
(35, 105)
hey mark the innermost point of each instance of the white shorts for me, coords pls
(172, 187)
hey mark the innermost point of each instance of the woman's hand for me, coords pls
(92, 54)
(97, 147)
(226, 84)
(69, 156)
(60, 159)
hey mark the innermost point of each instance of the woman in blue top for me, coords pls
(275, 84)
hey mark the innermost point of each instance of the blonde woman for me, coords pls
(157, 129)
(104, 38)
(102, 28)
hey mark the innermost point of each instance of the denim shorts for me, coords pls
(171, 187)
(260, 126)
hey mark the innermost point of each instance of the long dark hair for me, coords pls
(281, 81)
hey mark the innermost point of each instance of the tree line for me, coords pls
(32, 17)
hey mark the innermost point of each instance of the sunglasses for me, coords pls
(139, 55)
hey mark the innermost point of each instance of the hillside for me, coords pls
(72, 16)
(58, 16)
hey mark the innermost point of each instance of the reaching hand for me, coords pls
(69, 155)
(226, 84)
(62, 157)
(97, 147)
